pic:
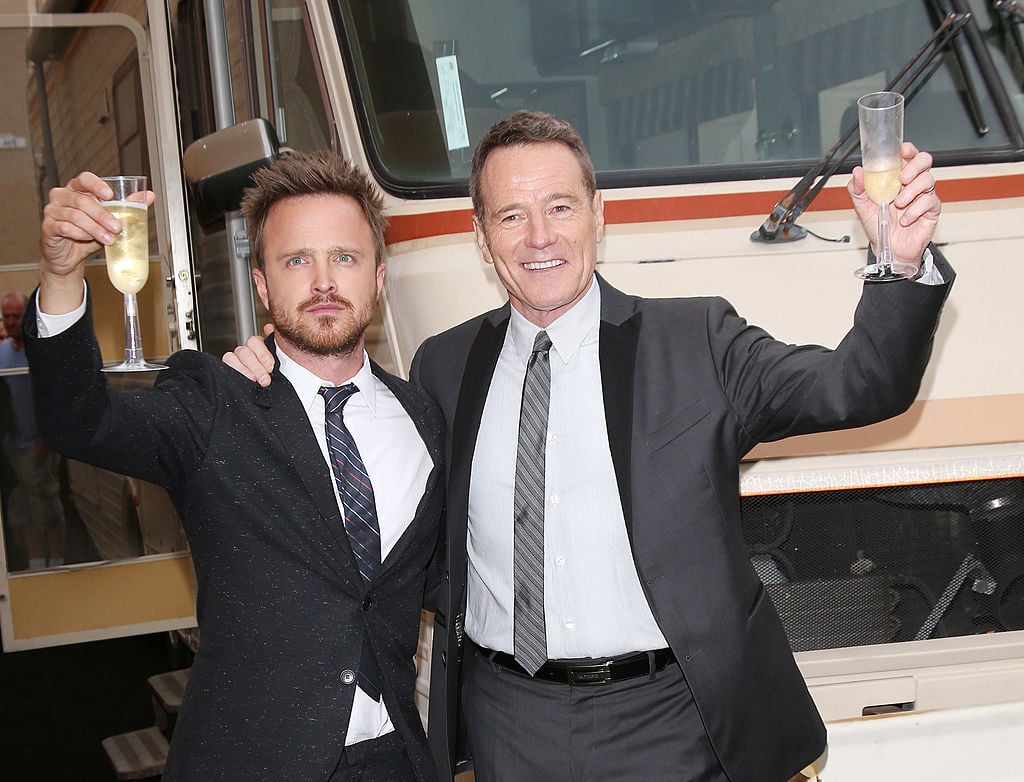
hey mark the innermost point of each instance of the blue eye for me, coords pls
(295, 261)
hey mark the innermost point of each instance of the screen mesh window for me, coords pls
(882, 565)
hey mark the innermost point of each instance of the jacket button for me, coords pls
(347, 676)
(367, 603)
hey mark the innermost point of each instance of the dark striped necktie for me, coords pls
(356, 494)
(353, 483)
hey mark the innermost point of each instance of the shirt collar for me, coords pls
(307, 385)
(567, 332)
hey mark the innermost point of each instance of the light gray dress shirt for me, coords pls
(594, 604)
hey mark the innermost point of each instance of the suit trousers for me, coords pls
(524, 729)
(376, 760)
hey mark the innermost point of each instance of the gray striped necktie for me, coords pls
(528, 559)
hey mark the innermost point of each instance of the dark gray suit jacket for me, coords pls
(689, 388)
(282, 608)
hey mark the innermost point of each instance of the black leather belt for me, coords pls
(616, 669)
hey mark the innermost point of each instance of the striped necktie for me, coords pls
(530, 637)
(353, 483)
(356, 494)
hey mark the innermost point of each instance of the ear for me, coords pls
(481, 240)
(381, 268)
(260, 281)
(598, 206)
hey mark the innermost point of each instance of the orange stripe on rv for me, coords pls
(403, 228)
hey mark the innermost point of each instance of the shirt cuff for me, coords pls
(929, 275)
(52, 325)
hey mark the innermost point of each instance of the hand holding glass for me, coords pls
(881, 134)
(128, 262)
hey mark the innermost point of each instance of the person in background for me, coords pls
(34, 508)
(312, 508)
(602, 620)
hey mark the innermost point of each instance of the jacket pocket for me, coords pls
(685, 420)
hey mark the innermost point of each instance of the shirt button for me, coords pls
(560, 561)
(570, 625)
(347, 676)
(367, 603)
(554, 499)
(552, 437)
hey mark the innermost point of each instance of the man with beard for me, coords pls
(601, 619)
(311, 507)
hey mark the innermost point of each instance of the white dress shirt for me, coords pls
(594, 604)
(398, 464)
(395, 456)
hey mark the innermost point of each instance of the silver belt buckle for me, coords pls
(593, 674)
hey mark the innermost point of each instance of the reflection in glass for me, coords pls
(712, 89)
(56, 510)
(32, 508)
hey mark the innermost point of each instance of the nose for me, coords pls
(540, 234)
(322, 282)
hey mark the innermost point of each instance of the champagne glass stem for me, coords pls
(884, 242)
(132, 334)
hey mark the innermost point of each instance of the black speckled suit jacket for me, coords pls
(281, 607)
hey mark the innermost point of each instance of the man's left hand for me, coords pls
(914, 213)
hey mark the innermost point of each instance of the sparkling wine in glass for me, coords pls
(128, 263)
(881, 133)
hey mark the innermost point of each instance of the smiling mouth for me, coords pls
(543, 265)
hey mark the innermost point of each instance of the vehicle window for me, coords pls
(709, 89)
(298, 98)
(126, 90)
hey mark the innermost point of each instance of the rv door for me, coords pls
(91, 91)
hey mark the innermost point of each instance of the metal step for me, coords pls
(140, 754)
(168, 690)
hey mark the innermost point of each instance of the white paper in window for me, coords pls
(451, 103)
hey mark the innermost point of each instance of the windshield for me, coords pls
(665, 90)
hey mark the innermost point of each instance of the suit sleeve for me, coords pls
(779, 390)
(153, 434)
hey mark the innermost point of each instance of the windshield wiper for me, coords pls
(780, 225)
(1014, 13)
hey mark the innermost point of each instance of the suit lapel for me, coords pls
(428, 429)
(476, 381)
(620, 331)
(283, 411)
(432, 436)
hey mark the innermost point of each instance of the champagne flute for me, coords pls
(128, 263)
(881, 133)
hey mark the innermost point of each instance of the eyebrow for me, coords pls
(305, 251)
(556, 196)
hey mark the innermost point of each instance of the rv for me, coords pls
(723, 134)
